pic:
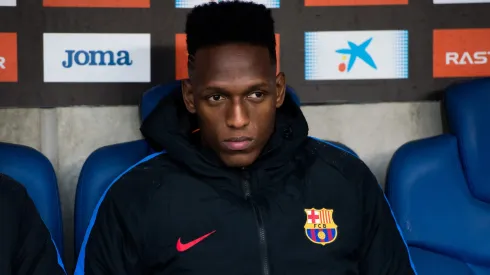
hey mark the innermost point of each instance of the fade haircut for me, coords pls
(229, 22)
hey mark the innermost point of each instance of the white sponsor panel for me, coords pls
(8, 3)
(108, 57)
(187, 4)
(340, 55)
(460, 1)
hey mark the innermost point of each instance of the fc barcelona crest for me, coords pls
(320, 227)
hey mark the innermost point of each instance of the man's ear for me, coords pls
(280, 89)
(188, 96)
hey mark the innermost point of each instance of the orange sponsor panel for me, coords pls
(317, 3)
(461, 53)
(181, 55)
(278, 52)
(98, 3)
(8, 57)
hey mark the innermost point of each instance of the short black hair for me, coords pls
(227, 22)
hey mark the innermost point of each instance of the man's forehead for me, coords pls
(245, 84)
(233, 63)
(232, 54)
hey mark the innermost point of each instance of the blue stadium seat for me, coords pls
(439, 188)
(35, 172)
(98, 171)
(108, 162)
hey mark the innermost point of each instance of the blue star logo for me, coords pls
(358, 51)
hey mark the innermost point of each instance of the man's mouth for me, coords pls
(238, 143)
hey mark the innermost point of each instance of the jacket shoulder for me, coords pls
(139, 180)
(11, 191)
(13, 199)
(338, 157)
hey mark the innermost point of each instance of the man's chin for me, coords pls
(239, 159)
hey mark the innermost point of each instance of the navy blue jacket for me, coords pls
(304, 207)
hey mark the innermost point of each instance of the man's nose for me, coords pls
(237, 115)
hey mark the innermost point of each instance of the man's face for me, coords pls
(234, 91)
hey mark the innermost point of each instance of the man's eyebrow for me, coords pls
(225, 91)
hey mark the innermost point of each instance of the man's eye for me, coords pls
(256, 95)
(216, 98)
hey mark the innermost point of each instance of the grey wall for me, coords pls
(67, 136)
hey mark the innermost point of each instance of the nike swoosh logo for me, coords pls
(183, 247)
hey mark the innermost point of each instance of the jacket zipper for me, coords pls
(260, 223)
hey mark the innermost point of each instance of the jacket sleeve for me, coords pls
(34, 251)
(384, 251)
(110, 244)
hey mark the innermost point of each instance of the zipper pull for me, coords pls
(245, 179)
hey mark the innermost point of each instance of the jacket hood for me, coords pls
(169, 127)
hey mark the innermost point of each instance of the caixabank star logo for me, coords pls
(349, 55)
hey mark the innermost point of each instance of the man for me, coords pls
(26, 247)
(241, 188)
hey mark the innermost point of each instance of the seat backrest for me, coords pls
(35, 172)
(108, 162)
(150, 98)
(98, 172)
(439, 187)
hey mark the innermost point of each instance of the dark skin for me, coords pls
(234, 90)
